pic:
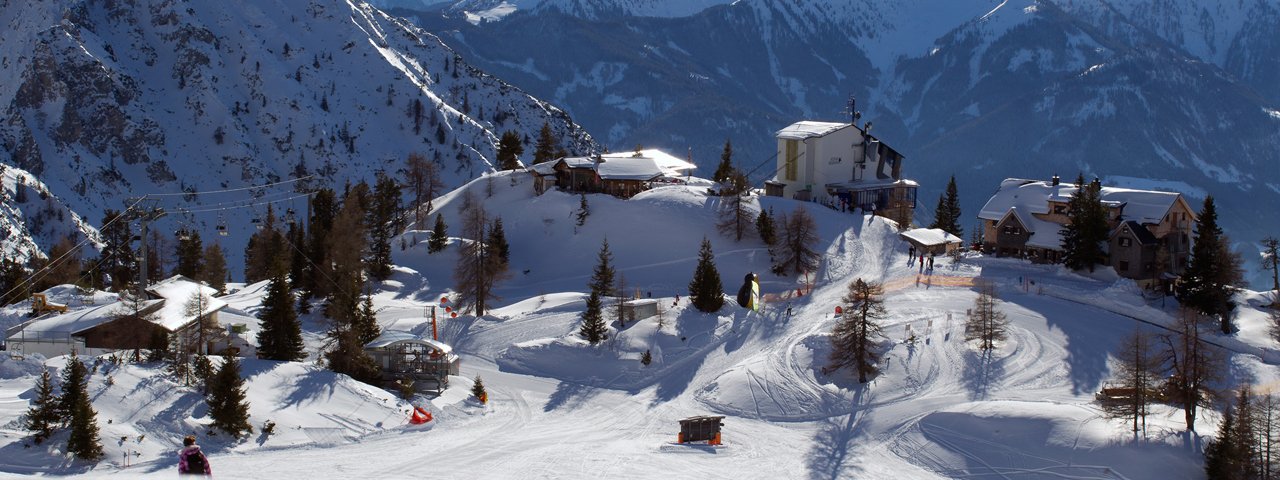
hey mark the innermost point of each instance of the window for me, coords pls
(1123, 267)
(1125, 242)
(1012, 230)
(1060, 209)
(792, 160)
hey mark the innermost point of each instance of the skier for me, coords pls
(191, 460)
(930, 264)
(921, 260)
(911, 255)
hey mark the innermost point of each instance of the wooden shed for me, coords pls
(931, 240)
(697, 429)
(403, 356)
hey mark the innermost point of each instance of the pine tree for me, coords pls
(509, 150)
(75, 408)
(602, 277)
(853, 340)
(545, 150)
(439, 236)
(1271, 261)
(498, 242)
(12, 274)
(735, 216)
(366, 325)
(583, 209)
(281, 334)
(347, 356)
(1246, 442)
(346, 247)
(117, 258)
(382, 225)
(74, 387)
(83, 442)
(190, 254)
(323, 212)
(796, 251)
(986, 324)
(1218, 454)
(725, 169)
(1083, 237)
(947, 216)
(478, 391)
(1212, 273)
(593, 327)
(215, 268)
(478, 268)
(42, 417)
(228, 405)
(765, 227)
(705, 290)
(202, 368)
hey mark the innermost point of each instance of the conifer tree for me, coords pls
(57, 272)
(12, 274)
(545, 149)
(228, 405)
(1244, 436)
(478, 391)
(281, 334)
(381, 224)
(725, 169)
(705, 290)
(853, 340)
(42, 417)
(202, 368)
(347, 356)
(366, 326)
(509, 150)
(1083, 237)
(215, 268)
(765, 227)
(296, 237)
(263, 248)
(323, 212)
(439, 236)
(947, 216)
(498, 242)
(796, 249)
(986, 324)
(74, 387)
(593, 327)
(735, 216)
(346, 247)
(602, 277)
(583, 209)
(1212, 272)
(1218, 454)
(190, 254)
(117, 257)
(83, 442)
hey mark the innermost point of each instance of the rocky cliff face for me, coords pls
(1121, 89)
(103, 100)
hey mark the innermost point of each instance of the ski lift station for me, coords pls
(404, 356)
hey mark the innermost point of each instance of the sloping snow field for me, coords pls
(560, 408)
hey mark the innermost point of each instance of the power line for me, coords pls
(240, 189)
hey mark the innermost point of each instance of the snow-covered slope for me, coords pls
(560, 408)
(104, 101)
(32, 217)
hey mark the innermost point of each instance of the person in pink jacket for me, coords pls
(191, 460)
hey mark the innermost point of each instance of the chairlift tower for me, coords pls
(145, 211)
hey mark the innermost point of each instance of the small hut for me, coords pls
(932, 240)
(696, 429)
(639, 309)
(403, 356)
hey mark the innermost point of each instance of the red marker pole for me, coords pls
(433, 324)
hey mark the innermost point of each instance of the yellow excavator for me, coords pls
(41, 305)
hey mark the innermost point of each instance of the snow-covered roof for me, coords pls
(389, 337)
(667, 162)
(628, 168)
(871, 183)
(930, 236)
(75, 321)
(1033, 196)
(544, 168)
(1042, 233)
(807, 129)
(177, 291)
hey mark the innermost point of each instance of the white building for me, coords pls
(841, 165)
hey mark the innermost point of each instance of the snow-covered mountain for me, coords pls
(103, 101)
(985, 90)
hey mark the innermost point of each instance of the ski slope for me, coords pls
(560, 408)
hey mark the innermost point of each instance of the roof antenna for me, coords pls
(853, 112)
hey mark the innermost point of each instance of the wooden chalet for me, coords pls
(621, 175)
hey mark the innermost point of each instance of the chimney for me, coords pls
(1056, 180)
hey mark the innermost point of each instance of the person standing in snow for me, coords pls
(911, 255)
(191, 460)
